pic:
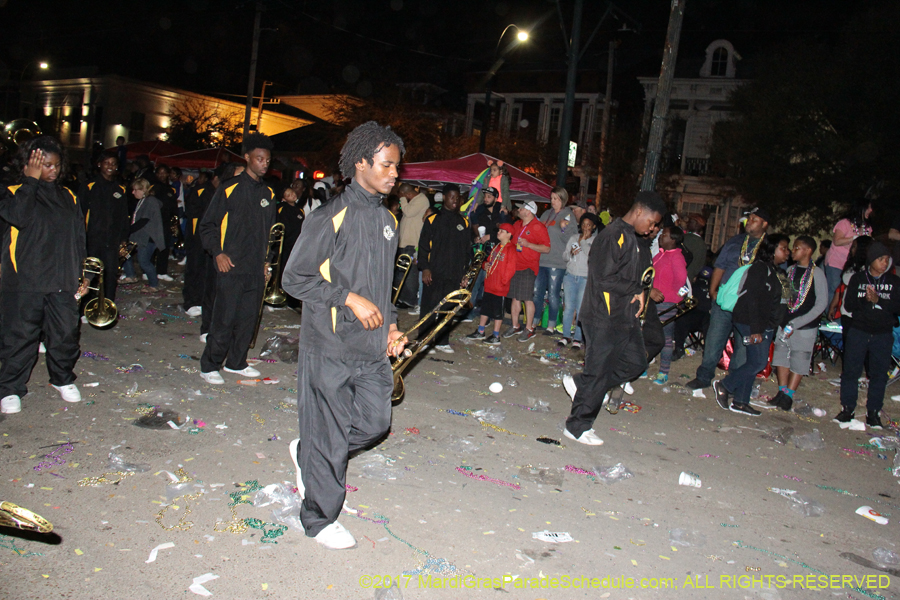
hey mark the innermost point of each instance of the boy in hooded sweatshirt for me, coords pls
(873, 296)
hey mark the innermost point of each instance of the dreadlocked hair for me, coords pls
(257, 140)
(365, 142)
(47, 145)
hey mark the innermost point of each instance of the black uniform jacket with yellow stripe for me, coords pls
(195, 205)
(237, 223)
(614, 275)
(445, 245)
(347, 245)
(44, 243)
(105, 206)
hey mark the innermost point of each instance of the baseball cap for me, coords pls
(506, 227)
(492, 191)
(582, 204)
(760, 212)
(530, 206)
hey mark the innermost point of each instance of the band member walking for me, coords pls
(105, 204)
(341, 269)
(613, 302)
(235, 231)
(198, 261)
(43, 252)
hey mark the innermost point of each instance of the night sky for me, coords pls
(357, 46)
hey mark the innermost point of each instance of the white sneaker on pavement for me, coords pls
(41, 348)
(183, 261)
(569, 385)
(203, 337)
(445, 348)
(588, 437)
(336, 537)
(628, 389)
(293, 447)
(69, 392)
(246, 371)
(165, 278)
(194, 311)
(10, 405)
(212, 377)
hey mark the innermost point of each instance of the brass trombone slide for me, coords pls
(404, 262)
(686, 305)
(646, 285)
(446, 310)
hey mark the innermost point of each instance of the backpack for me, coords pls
(730, 291)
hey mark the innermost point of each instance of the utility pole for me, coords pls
(252, 81)
(663, 91)
(262, 99)
(604, 127)
(562, 163)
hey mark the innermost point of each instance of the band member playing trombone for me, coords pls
(235, 231)
(610, 315)
(43, 251)
(105, 205)
(341, 269)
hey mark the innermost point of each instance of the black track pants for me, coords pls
(234, 317)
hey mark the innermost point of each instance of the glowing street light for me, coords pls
(499, 59)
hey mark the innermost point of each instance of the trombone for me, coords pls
(684, 306)
(446, 309)
(646, 285)
(404, 262)
(272, 293)
(100, 311)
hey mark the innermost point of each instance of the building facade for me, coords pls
(696, 105)
(84, 111)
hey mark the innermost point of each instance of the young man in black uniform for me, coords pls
(291, 216)
(489, 215)
(105, 204)
(198, 260)
(610, 311)
(43, 250)
(445, 248)
(235, 231)
(341, 269)
(165, 193)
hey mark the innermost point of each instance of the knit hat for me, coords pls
(876, 251)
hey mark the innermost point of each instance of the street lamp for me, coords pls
(42, 65)
(499, 59)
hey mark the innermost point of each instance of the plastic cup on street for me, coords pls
(689, 479)
(496, 387)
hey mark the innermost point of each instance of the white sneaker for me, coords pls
(182, 262)
(213, 377)
(203, 337)
(144, 277)
(588, 437)
(69, 392)
(10, 405)
(292, 448)
(569, 385)
(445, 348)
(194, 311)
(165, 278)
(246, 371)
(628, 389)
(41, 348)
(335, 537)
(414, 311)
(84, 319)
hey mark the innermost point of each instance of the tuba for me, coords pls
(404, 262)
(101, 311)
(446, 309)
(272, 294)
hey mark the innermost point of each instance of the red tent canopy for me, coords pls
(155, 149)
(463, 171)
(204, 159)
